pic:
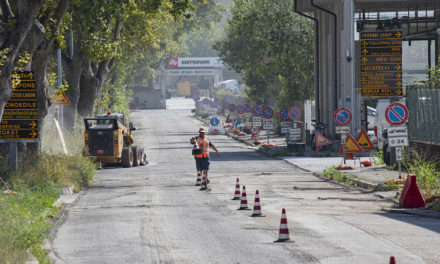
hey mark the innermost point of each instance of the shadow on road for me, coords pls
(430, 221)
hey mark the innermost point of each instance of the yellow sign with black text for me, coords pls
(20, 115)
(381, 64)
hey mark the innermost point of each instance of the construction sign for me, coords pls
(60, 99)
(321, 140)
(351, 146)
(364, 141)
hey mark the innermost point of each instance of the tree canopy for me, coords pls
(273, 47)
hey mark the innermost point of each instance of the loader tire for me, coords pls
(136, 156)
(144, 158)
(127, 157)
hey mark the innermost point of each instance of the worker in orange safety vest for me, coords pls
(202, 160)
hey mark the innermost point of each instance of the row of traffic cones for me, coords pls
(284, 230)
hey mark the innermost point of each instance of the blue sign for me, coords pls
(342, 116)
(294, 113)
(396, 114)
(213, 104)
(284, 114)
(247, 108)
(268, 112)
(214, 121)
(256, 111)
(240, 109)
(232, 107)
(237, 124)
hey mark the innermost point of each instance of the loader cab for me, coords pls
(104, 137)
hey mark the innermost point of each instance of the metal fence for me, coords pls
(424, 114)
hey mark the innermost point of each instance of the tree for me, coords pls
(105, 33)
(273, 47)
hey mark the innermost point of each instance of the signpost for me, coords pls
(247, 108)
(257, 110)
(284, 114)
(381, 64)
(342, 117)
(19, 123)
(256, 121)
(214, 121)
(397, 114)
(294, 113)
(240, 109)
(268, 112)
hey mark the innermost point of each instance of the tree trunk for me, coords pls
(74, 69)
(13, 41)
(90, 88)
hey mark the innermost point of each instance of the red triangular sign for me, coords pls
(60, 99)
(321, 140)
(364, 141)
(351, 146)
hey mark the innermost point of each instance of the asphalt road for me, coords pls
(155, 214)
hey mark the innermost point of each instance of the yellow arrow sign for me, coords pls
(33, 133)
(398, 67)
(33, 124)
(398, 75)
(398, 34)
(364, 60)
(398, 83)
(399, 92)
(364, 52)
(364, 43)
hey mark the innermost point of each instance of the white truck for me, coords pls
(230, 85)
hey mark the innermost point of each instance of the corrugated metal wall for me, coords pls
(424, 114)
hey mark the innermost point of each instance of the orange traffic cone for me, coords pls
(237, 190)
(284, 230)
(243, 201)
(257, 207)
(203, 187)
(392, 260)
(199, 178)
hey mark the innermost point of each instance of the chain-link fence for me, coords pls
(424, 114)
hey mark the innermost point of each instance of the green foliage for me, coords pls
(25, 219)
(423, 165)
(433, 80)
(273, 47)
(378, 157)
(336, 175)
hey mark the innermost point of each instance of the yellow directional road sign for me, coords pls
(381, 64)
(20, 115)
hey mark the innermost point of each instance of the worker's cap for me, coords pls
(202, 130)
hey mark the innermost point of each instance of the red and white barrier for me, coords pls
(284, 230)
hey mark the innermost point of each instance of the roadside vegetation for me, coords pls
(27, 215)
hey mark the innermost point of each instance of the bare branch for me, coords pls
(6, 11)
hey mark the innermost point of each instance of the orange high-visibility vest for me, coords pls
(204, 145)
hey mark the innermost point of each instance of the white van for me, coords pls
(380, 121)
(230, 85)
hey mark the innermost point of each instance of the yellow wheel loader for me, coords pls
(111, 142)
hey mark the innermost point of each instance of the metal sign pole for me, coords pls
(343, 146)
(60, 82)
(13, 156)
(399, 158)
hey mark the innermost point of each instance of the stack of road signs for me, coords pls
(381, 64)
(268, 114)
(397, 114)
(20, 115)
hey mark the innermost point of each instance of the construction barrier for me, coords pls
(237, 190)
(257, 206)
(411, 196)
(284, 230)
(243, 201)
